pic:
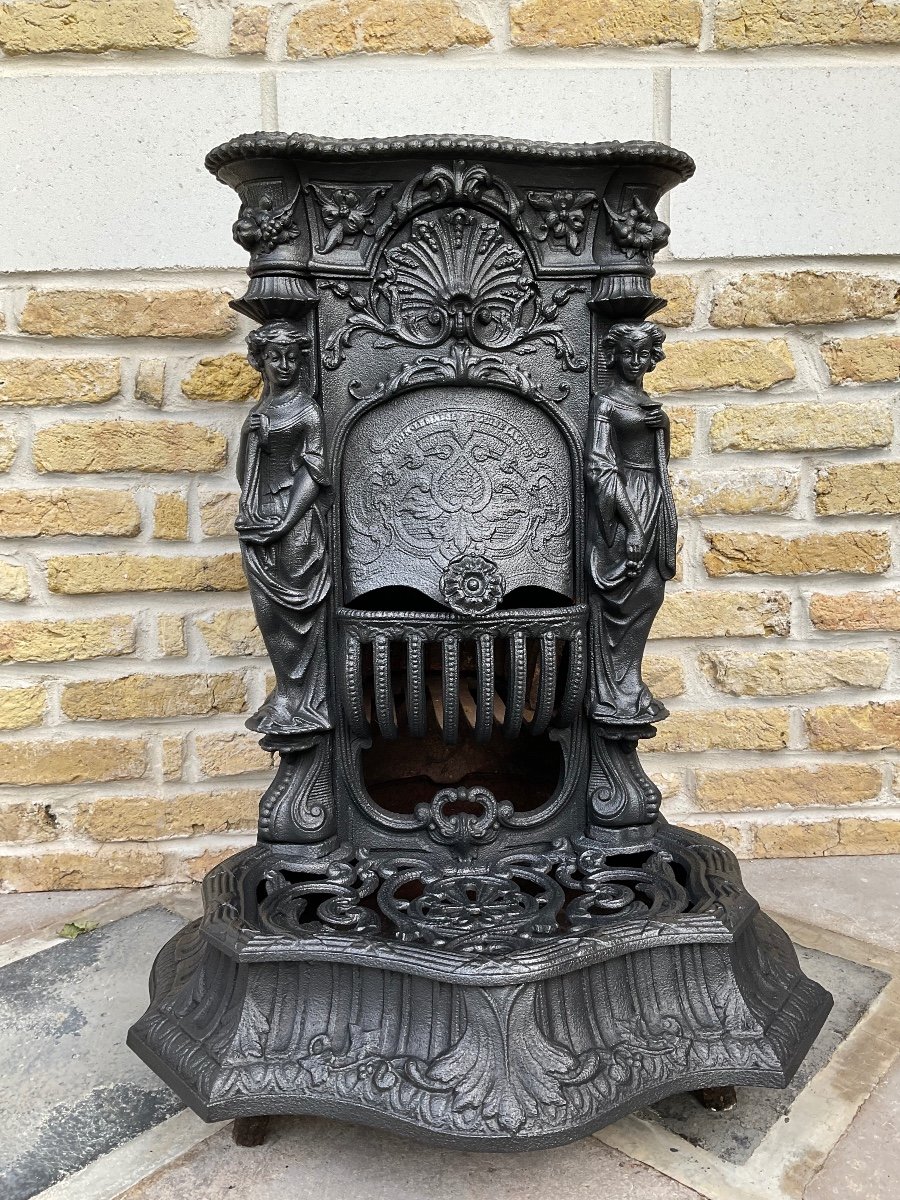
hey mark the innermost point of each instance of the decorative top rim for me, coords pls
(308, 145)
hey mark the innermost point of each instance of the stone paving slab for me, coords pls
(311, 1159)
(853, 895)
(865, 1164)
(31, 911)
(71, 1090)
(734, 1136)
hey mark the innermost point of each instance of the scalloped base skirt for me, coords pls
(510, 1052)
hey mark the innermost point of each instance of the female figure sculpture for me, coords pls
(631, 524)
(281, 470)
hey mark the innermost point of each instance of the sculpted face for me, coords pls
(633, 357)
(280, 362)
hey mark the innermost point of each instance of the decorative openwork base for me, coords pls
(513, 1005)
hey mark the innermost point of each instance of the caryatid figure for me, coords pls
(283, 478)
(631, 525)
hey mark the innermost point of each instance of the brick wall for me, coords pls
(130, 652)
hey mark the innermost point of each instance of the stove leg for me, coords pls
(249, 1131)
(717, 1099)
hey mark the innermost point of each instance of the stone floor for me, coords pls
(82, 1119)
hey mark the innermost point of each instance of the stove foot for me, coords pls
(249, 1131)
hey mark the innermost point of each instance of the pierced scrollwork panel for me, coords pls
(473, 904)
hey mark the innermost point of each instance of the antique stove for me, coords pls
(464, 917)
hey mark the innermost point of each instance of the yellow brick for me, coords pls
(14, 585)
(335, 27)
(854, 727)
(722, 729)
(230, 754)
(852, 611)
(231, 633)
(8, 446)
(92, 26)
(42, 381)
(858, 488)
(663, 675)
(695, 614)
(172, 757)
(792, 672)
(680, 292)
(228, 377)
(170, 517)
(804, 298)
(873, 359)
(71, 312)
(862, 553)
(218, 511)
(729, 835)
(682, 423)
(729, 362)
(837, 835)
(670, 783)
(22, 706)
(705, 493)
(66, 640)
(800, 839)
(605, 22)
(149, 382)
(94, 446)
(868, 835)
(78, 760)
(76, 870)
(135, 697)
(797, 787)
(87, 574)
(249, 29)
(784, 426)
(26, 822)
(146, 818)
(199, 866)
(743, 23)
(170, 636)
(78, 511)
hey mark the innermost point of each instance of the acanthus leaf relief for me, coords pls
(457, 277)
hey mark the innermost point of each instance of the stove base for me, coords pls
(509, 1050)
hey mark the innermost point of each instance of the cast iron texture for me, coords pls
(464, 917)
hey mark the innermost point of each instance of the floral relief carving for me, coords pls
(345, 213)
(261, 228)
(563, 216)
(472, 583)
(638, 231)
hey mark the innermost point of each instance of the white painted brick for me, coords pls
(106, 171)
(557, 104)
(790, 160)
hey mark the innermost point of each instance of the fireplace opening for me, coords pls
(411, 600)
(459, 748)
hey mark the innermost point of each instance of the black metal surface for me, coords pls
(464, 916)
